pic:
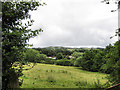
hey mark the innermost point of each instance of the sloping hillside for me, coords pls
(53, 76)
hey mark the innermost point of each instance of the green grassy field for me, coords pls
(53, 76)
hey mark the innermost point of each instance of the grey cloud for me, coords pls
(73, 23)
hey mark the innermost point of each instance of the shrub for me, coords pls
(77, 62)
(77, 54)
(87, 60)
(49, 61)
(42, 57)
(59, 56)
(32, 55)
(64, 62)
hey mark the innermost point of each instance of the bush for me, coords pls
(90, 60)
(77, 54)
(43, 57)
(59, 56)
(97, 61)
(49, 62)
(77, 62)
(64, 62)
(76, 58)
(32, 55)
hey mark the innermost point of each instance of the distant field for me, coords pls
(53, 76)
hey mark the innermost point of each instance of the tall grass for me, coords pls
(85, 84)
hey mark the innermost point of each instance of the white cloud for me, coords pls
(74, 23)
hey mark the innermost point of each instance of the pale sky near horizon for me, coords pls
(74, 23)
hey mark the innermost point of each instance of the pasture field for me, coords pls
(54, 76)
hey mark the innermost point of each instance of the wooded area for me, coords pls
(15, 54)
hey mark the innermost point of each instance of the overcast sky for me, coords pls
(74, 23)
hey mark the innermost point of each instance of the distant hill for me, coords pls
(73, 47)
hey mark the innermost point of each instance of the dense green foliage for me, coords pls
(77, 62)
(15, 36)
(91, 60)
(76, 54)
(112, 54)
(53, 51)
(32, 55)
(76, 57)
(59, 56)
(112, 63)
(106, 61)
(63, 62)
